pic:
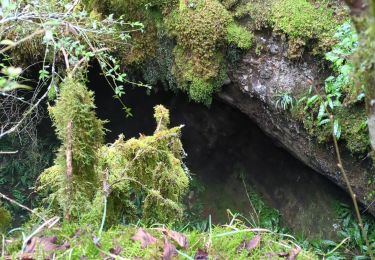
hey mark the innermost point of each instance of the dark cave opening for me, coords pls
(221, 142)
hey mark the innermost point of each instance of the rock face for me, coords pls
(254, 83)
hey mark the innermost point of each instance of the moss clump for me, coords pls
(150, 170)
(138, 178)
(143, 44)
(5, 220)
(239, 36)
(302, 22)
(74, 107)
(259, 12)
(354, 129)
(201, 33)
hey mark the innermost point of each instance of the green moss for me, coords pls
(143, 44)
(137, 178)
(5, 220)
(201, 32)
(302, 21)
(239, 36)
(220, 243)
(74, 106)
(201, 91)
(353, 121)
(229, 4)
(259, 12)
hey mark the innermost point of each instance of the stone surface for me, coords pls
(254, 83)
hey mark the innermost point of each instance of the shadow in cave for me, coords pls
(220, 143)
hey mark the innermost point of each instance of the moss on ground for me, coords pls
(218, 243)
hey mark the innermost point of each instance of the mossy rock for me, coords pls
(303, 22)
(239, 36)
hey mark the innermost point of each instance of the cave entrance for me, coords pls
(222, 145)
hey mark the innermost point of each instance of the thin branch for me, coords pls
(69, 162)
(26, 114)
(2, 51)
(352, 194)
(10, 152)
(79, 63)
(66, 59)
(21, 206)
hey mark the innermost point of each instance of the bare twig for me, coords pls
(69, 162)
(2, 51)
(8, 152)
(20, 205)
(66, 58)
(352, 194)
(81, 61)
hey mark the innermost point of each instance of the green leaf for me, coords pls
(312, 100)
(323, 122)
(322, 111)
(337, 129)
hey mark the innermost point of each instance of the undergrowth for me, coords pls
(338, 96)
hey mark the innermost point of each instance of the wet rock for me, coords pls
(255, 82)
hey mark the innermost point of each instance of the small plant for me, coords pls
(284, 101)
(352, 244)
(338, 94)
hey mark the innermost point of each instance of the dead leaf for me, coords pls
(144, 237)
(169, 250)
(48, 244)
(253, 243)
(116, 250)
(201, 255)
(180, 239)
(23, 257)
(284, 254)
(294, 253)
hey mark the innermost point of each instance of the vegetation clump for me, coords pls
(138, 178)
(81, 134)
(303, 22)
(340, 97)
(201, 30)
(149, 170)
